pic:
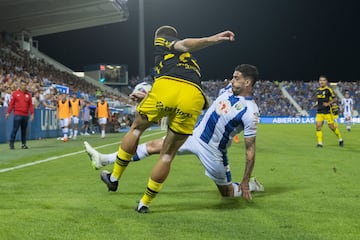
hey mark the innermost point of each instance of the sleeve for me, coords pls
(250, 120)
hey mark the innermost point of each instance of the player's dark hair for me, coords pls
(248, 71)
(166, 31)
(323, 76)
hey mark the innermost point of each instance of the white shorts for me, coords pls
(215, 162)
(64, 122)
(102, 121)
(347, 116)
(75, 120)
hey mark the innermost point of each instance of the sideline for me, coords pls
(66, 155)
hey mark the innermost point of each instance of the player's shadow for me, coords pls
(223, 203)
(217, 203)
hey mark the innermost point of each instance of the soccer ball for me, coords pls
(142, 88)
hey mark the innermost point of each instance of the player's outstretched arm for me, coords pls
(195, 44)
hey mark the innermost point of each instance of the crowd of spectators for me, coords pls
(267, 94)
(17, 64)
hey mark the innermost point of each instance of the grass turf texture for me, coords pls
(310, 193)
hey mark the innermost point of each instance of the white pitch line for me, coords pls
(64, 155)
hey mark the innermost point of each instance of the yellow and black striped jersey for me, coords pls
(169, 62)
(324, 94)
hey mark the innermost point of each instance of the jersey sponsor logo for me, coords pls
(223, 107)
(161, 108)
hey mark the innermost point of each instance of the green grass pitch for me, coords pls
(310, 193)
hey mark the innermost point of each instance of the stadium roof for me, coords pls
(41, 17)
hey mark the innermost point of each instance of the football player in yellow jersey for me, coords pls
(325, 98)
(176, 93)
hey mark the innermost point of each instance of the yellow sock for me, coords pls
(152, 189)
(337, 133)
(122, 161)
(319, 136)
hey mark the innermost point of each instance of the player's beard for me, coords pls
(236, 90)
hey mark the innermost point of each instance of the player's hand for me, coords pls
(224, 36)
(137, 97)
(326, 104)
(246, 194)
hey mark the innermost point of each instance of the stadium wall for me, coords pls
(296, 120)
(44, 125)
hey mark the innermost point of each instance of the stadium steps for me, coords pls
(337, 91)
(301, 111)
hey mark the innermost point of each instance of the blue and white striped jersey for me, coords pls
(347, 105)
(227, 116)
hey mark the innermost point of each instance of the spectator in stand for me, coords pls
(21, 104)
(7, 97)
(37, 102)
(49, 102)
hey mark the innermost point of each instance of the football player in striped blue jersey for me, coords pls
(232, 112)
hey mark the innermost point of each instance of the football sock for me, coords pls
(237, 190)
(319, 136)
(337, 133)
(152, 189)
(65, 132)
(110, 158)
(75, 132)
(141, 152)
(122, 161)
(252, 186)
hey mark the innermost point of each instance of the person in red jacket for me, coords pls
(21, 103)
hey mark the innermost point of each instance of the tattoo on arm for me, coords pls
(250, 147)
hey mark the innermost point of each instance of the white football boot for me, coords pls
(258, 187)
(95, 156)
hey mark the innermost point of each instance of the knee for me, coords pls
(167, 158)
(332, 127)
